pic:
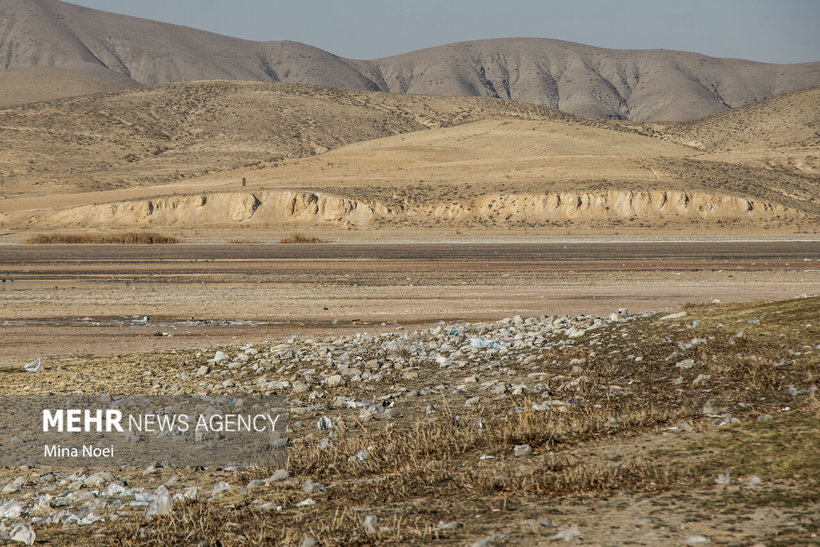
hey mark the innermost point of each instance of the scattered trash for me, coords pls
(34, 366)
(22, 533)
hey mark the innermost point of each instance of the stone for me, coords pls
(701, 379)
(221, 486)
(672, 316)
(370, 524)
(453, 525)
(335, 381)
(279, 475)
(569, 534)
(220, 356)
(685, 364)
(521, 450)
(490, 541)
(202, 371)
(312, 487)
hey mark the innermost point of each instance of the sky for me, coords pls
(774, 31)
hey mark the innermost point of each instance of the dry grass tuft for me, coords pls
(125, 238)
(301, 238)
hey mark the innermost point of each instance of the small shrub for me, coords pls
(301, 238)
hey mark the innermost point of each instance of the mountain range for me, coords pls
(105, 50)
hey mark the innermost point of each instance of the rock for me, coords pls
(335, 381)
(22, 533)
(685, 364)
(370, 524)
(753, 480)
(202, 371)
(410, 374)
(221, 486)
(256, 483)
(300, 387)
(308, 542)
(279, 475)
(521, 450)
(723, 479)
(14, 486)
(697, 540)
(220, 356)
(324, 423)
(672, 316)
(490, 541)
(34, 366)
(472, 401)
(312, 487)
(701, 379)
(568, 534)
(453, 525)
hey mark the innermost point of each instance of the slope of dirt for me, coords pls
(783, 132)
(172, 131)
(277, 209)
(584, 80)
(46, 83)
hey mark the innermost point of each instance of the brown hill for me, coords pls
(400, 161)
(580, 79)
(783, 132)
(173, 131)
(45, 83)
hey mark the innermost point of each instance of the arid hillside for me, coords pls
(783, 132)
(576, 78)
(165, 133)
(175, 155)
(46, 83)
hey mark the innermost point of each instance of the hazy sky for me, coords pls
(779, 31)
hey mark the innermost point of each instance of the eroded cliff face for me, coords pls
(286, 207)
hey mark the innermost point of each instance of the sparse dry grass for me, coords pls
(124, 238)
(300, 238)
(421, 469)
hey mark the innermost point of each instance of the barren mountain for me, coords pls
(580, 79)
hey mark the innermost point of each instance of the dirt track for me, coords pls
(87, 299)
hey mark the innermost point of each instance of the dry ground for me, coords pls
(647, 454)
(59, 300)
